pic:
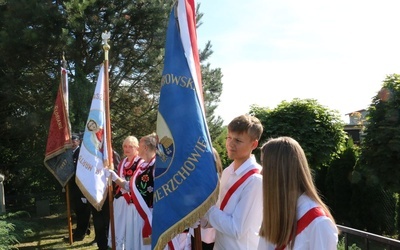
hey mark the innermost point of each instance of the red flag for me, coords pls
(58, 157)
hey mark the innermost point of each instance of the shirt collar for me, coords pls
(247, 165)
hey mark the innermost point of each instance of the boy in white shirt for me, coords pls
(237, 215)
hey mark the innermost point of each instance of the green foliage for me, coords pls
(212, 88)
(374, 203)
(372, 207)
(29, 50)
(318, 129)
(13, 228)
(338, 186)
(219, 145)
(7, 239)
(381, 145)
(35, 34)
(135, 60)
(17, 215)
(342, 246)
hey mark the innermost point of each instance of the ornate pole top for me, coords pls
(64, 62)
(106, 36)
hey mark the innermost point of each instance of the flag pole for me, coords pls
(197, 239)
(67, 194)
(106, 36)
(69, 214)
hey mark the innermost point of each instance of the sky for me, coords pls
(337, 52)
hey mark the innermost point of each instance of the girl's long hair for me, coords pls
(286, 176)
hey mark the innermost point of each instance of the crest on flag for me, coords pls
(186, 181)
(166, 148)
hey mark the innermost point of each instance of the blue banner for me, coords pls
(186, 182)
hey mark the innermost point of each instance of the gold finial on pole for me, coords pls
(64, 62)
(106, 36)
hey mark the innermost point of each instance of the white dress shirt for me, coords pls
(237, 226)
(320, 234)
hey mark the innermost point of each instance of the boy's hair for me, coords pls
(247, 123)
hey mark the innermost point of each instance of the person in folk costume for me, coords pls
(294, 216)
(122, 203)
(141, 187)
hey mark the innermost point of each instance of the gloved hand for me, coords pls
(110, 173)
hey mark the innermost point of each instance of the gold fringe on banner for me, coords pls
(187, 221)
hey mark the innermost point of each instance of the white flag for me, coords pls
(89, 172)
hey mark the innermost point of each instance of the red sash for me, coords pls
(305, 220)
(127, 198)
(121, 167)
(140, 204)
(236, 185)
(171, 245)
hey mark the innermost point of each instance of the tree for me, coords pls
(380, 154)
(137, 41)
(338, 184)
(318, 129)
(219, 145)
(373, 207)
(212, 85)
(35, 34)
(29, 78)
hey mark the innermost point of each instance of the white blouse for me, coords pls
(321, 233)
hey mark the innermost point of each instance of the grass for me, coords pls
(48, 232)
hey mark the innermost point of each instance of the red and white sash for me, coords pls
(142, 208)
(139, 202)
(305, 220)
(121, 167)
(237, 184)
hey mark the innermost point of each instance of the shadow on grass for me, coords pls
(46, 233)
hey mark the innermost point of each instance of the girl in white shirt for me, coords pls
(294, 216)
